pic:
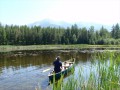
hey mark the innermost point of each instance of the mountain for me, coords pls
(97, 26)
(52, 23)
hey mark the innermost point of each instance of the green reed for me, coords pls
(104, 75)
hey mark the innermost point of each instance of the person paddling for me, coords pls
(57, 65)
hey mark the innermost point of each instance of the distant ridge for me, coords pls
(52, 23)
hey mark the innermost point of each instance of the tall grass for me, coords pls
(104, 75)
(8, 48)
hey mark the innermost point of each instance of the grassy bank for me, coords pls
(7, 48)
(104, 75)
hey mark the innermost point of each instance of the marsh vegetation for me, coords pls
(104, 74)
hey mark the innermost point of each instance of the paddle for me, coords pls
(46, 70)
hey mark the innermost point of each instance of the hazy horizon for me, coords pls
(21, 12)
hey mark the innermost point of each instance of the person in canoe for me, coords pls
(57, 65)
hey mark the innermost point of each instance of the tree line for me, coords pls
(37, 35)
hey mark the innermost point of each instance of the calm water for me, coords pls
(24, 70)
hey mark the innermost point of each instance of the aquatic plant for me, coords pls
(105, 76)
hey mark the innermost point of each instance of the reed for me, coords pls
(8, 48)
(104, 75)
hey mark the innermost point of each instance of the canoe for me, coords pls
(67, 67)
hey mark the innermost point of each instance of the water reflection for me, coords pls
(23, 70)
(44, 58)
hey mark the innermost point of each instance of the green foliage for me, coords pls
(115, 31)
(24, 35)
(104, 75)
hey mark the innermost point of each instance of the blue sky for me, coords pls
(22, 12)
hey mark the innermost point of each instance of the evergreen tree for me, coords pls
(24, 35)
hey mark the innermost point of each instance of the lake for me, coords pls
(23, 70)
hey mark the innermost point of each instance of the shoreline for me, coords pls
(9, 48)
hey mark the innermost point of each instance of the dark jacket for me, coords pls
(57, 64)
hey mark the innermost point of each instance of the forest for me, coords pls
(37, 35)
